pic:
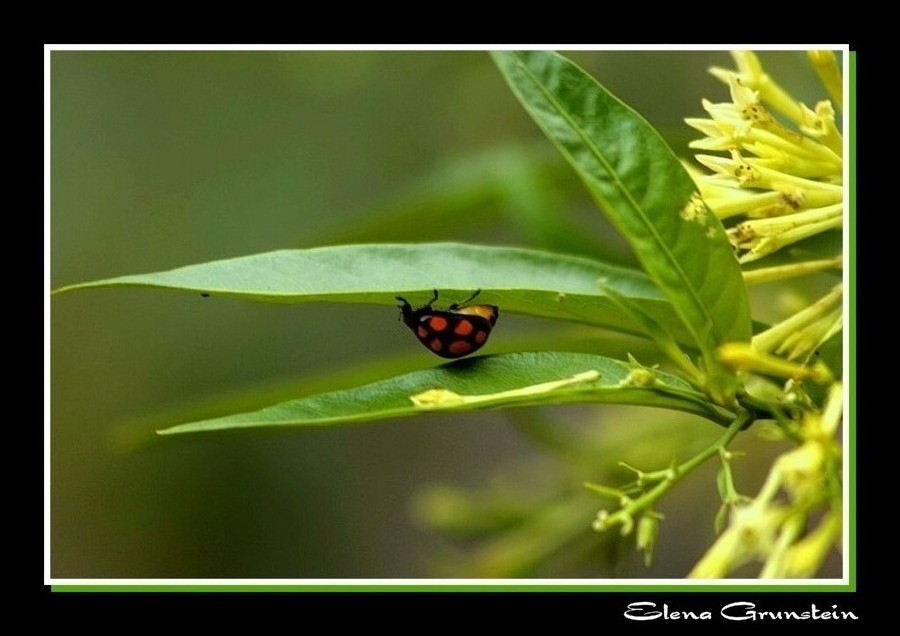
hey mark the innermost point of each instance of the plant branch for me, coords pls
(667, 479)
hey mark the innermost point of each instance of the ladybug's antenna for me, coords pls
(466, 301)
(434, 298)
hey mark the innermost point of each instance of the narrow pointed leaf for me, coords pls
(487, 382)
(643, 189)
(523, 281)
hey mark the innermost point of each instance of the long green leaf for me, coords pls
(517, 379)
(642, 188)
(520, 281)
(135, 431)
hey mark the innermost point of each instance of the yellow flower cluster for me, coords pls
(783, 178)
(786, 181)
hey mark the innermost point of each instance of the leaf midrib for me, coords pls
(639, 212)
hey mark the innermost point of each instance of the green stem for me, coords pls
(763, 410)
(722, 443)
(717, 414)
(672, 476)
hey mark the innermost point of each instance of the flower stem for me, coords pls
(780, 272)
(669, 477)
(769, 339)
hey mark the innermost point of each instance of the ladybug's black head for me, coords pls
(407, 313)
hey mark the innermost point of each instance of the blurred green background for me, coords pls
(162, 159)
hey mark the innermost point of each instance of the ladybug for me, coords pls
(453, 333)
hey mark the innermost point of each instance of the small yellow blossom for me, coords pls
(799, 470)
(750, 74)
(750, 536)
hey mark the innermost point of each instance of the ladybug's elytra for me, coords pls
(453, 333)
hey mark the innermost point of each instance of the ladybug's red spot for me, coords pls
(422, 331)
(464, 328)
(437, 323)
(459, 347)
(436, 345)
(480, 337)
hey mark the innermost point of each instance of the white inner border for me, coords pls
(848, 316)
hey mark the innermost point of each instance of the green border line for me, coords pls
(850, 409)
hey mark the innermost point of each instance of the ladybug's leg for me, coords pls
(465, 302)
